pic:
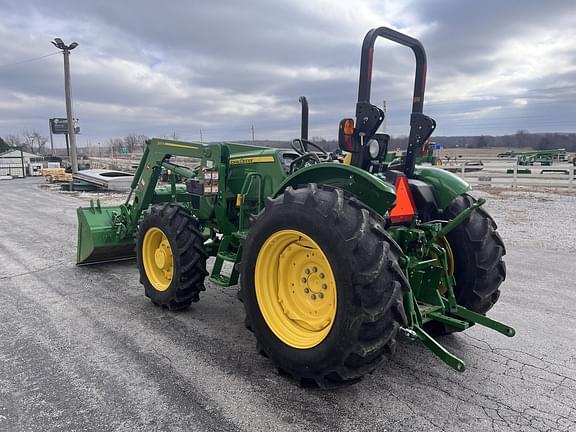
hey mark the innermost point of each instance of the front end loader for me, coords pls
(336, 253)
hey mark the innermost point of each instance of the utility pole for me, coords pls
(201, 141)
(252, 133)
(51, 139)
(57, 42)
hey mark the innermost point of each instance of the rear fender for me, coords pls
(446, 186)
(372, 191)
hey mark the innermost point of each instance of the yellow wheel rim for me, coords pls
(157, 258)
(449, 254)
(443, 241)
(295, 289)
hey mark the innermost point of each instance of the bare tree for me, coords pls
(134, 142)
(4, 146)
(13, 140)
(116, 145)
(33, 140)
(28, 140)
(40, 141)
(521, 137)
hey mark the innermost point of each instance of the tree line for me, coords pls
(34, 142)
(29, 140)
(518, 140)
(521, 139)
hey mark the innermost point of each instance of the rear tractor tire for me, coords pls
(479, 270)
(171, 257)
(321, 286)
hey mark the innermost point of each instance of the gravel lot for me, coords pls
(83, 349)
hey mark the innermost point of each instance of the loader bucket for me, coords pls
(97, 236)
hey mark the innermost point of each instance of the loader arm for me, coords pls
(156, 156)
(107, 233)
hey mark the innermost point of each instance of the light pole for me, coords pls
(57, 42)
(51, 139)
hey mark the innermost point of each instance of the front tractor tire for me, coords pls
(321, 286)
(171, 257)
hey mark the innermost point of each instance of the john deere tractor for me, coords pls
(336, 254)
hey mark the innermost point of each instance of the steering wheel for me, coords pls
(300, 160)
(302, 146)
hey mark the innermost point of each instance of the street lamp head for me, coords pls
(58, 43)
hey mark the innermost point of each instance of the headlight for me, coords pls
(374, 149)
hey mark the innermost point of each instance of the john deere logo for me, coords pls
(250, 160)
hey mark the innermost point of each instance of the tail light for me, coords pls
(346, 135)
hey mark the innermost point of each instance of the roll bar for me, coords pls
(369, 117)
(367, 58)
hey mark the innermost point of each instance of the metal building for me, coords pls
(18, 163)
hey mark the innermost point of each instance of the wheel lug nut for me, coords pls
(314, 269)
(324, 286)
(307, 271)
(306, 290)
(304, 279)
(313, 296)
(321, 275)
(320, 295)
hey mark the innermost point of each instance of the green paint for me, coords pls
(236, 179)
(447, 186)
(371, 190)
(98, 236)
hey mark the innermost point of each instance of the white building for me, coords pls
(16, 163)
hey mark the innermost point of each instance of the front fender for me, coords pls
(446, 185)
(369, 189)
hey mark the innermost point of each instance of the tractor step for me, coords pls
(223, 255)
(240, 235)
(221, 280)
(227, 256)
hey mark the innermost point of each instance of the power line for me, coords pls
(29, 60)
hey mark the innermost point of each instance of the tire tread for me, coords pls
(188, 251)
(378, 284)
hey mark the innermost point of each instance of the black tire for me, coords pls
(189, 256)
(478, 266)
(369, 282)
(478, 250)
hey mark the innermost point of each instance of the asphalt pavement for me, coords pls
(82, 349)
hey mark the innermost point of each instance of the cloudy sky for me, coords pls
(160, 68)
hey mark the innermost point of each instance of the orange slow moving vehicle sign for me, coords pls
(404, 210)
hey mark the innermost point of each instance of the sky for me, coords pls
(218, 68)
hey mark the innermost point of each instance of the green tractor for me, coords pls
(336, 256)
